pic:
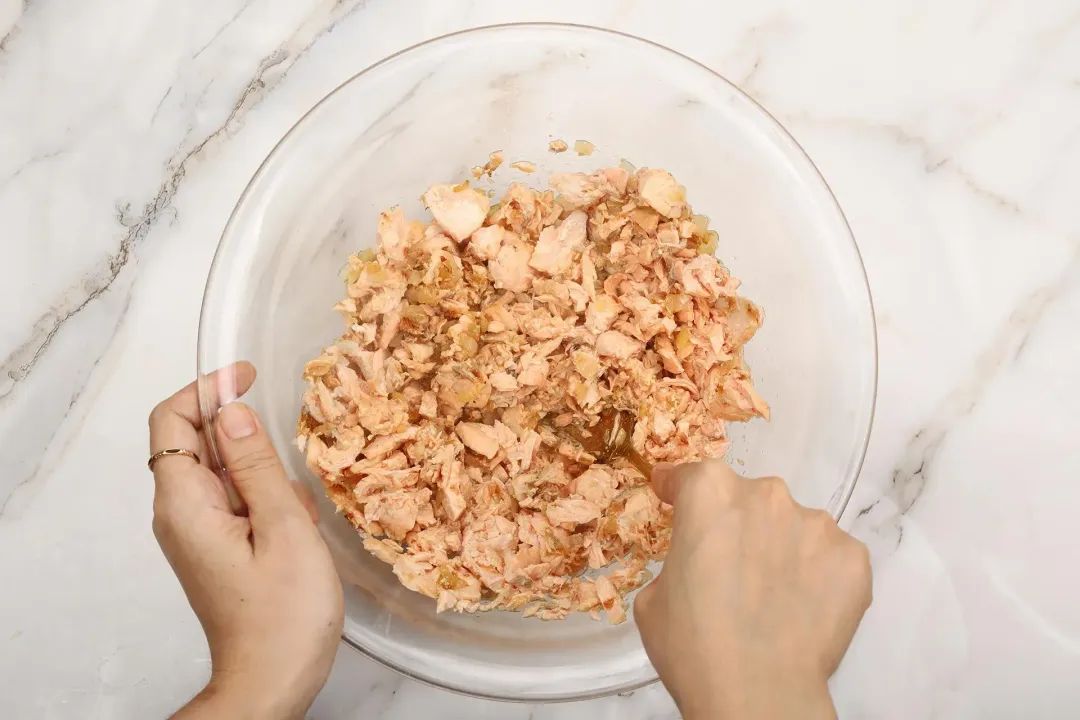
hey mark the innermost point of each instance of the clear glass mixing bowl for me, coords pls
(428, 114)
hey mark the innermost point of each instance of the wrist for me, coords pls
(760, 699)
(238, 700)
(780, 702)
(215, 702)
(235, 699)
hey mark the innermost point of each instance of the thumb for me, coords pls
(669, 481)
(665, 482)
(254, 467)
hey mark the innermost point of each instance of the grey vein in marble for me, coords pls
(911, 473)
(932, 160)
(19, 364)
(23, 360)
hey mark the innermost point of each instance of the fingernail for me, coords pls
(237, 421)
(661, 470)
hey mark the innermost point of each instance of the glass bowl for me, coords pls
(428, 114)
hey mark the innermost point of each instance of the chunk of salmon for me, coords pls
(417, 575)
(602, 314)
(522, 454)
(532, 370)
(455, 487)
(662, 426)
(459, 589)
(324, 364)
(460, 211)
(510, 268)
(485, 242)
(313, 448)
(503, 382)
(554, 252)
(610, 600)
(587, 364)
(598, 485)
(397, 511)
(597, 559)
(717, 341)
(348, 446)
(395, 234)
(572, 511)
(588, 276)
(483, 545)
(372, 366)
(577, 189)
(385, 444)
(613, 343)
(615, 180)
(518, 209)
(429, 405)
(743, 321)
(659, 189)
(641, 508)
(666, 351)
(740, 401)
(587, 597)
(702, 277)
(478, 437)
(386, 550)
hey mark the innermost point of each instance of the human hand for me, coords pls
(263, 586)
(758, 599)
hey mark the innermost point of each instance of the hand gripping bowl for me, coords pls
(427, 115)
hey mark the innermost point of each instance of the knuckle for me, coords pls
(160, 525)
(716, 471)
(643, 601)
(774, 484)
(861, 556)
(863, 572)
(256, 460)
(856, 557)
(712, 465)
(775, 490)
(161, 508)
(711, 480)
(157, 414)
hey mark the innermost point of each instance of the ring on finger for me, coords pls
(171, 451)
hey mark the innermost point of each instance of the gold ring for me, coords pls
(171, 451)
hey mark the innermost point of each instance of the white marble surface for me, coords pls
(950, 133)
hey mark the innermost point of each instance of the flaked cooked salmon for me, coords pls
(433, 421)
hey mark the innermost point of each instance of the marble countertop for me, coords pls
(950, 133)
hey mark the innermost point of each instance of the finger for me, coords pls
(193, 515)
(224, 384)
(650, 614)
(307, 499)
(175, 423)
(644, 600)
(669, 482)
(255, 469)
(169, 429)
(665, 482)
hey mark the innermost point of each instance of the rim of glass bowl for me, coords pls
(840, 500)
